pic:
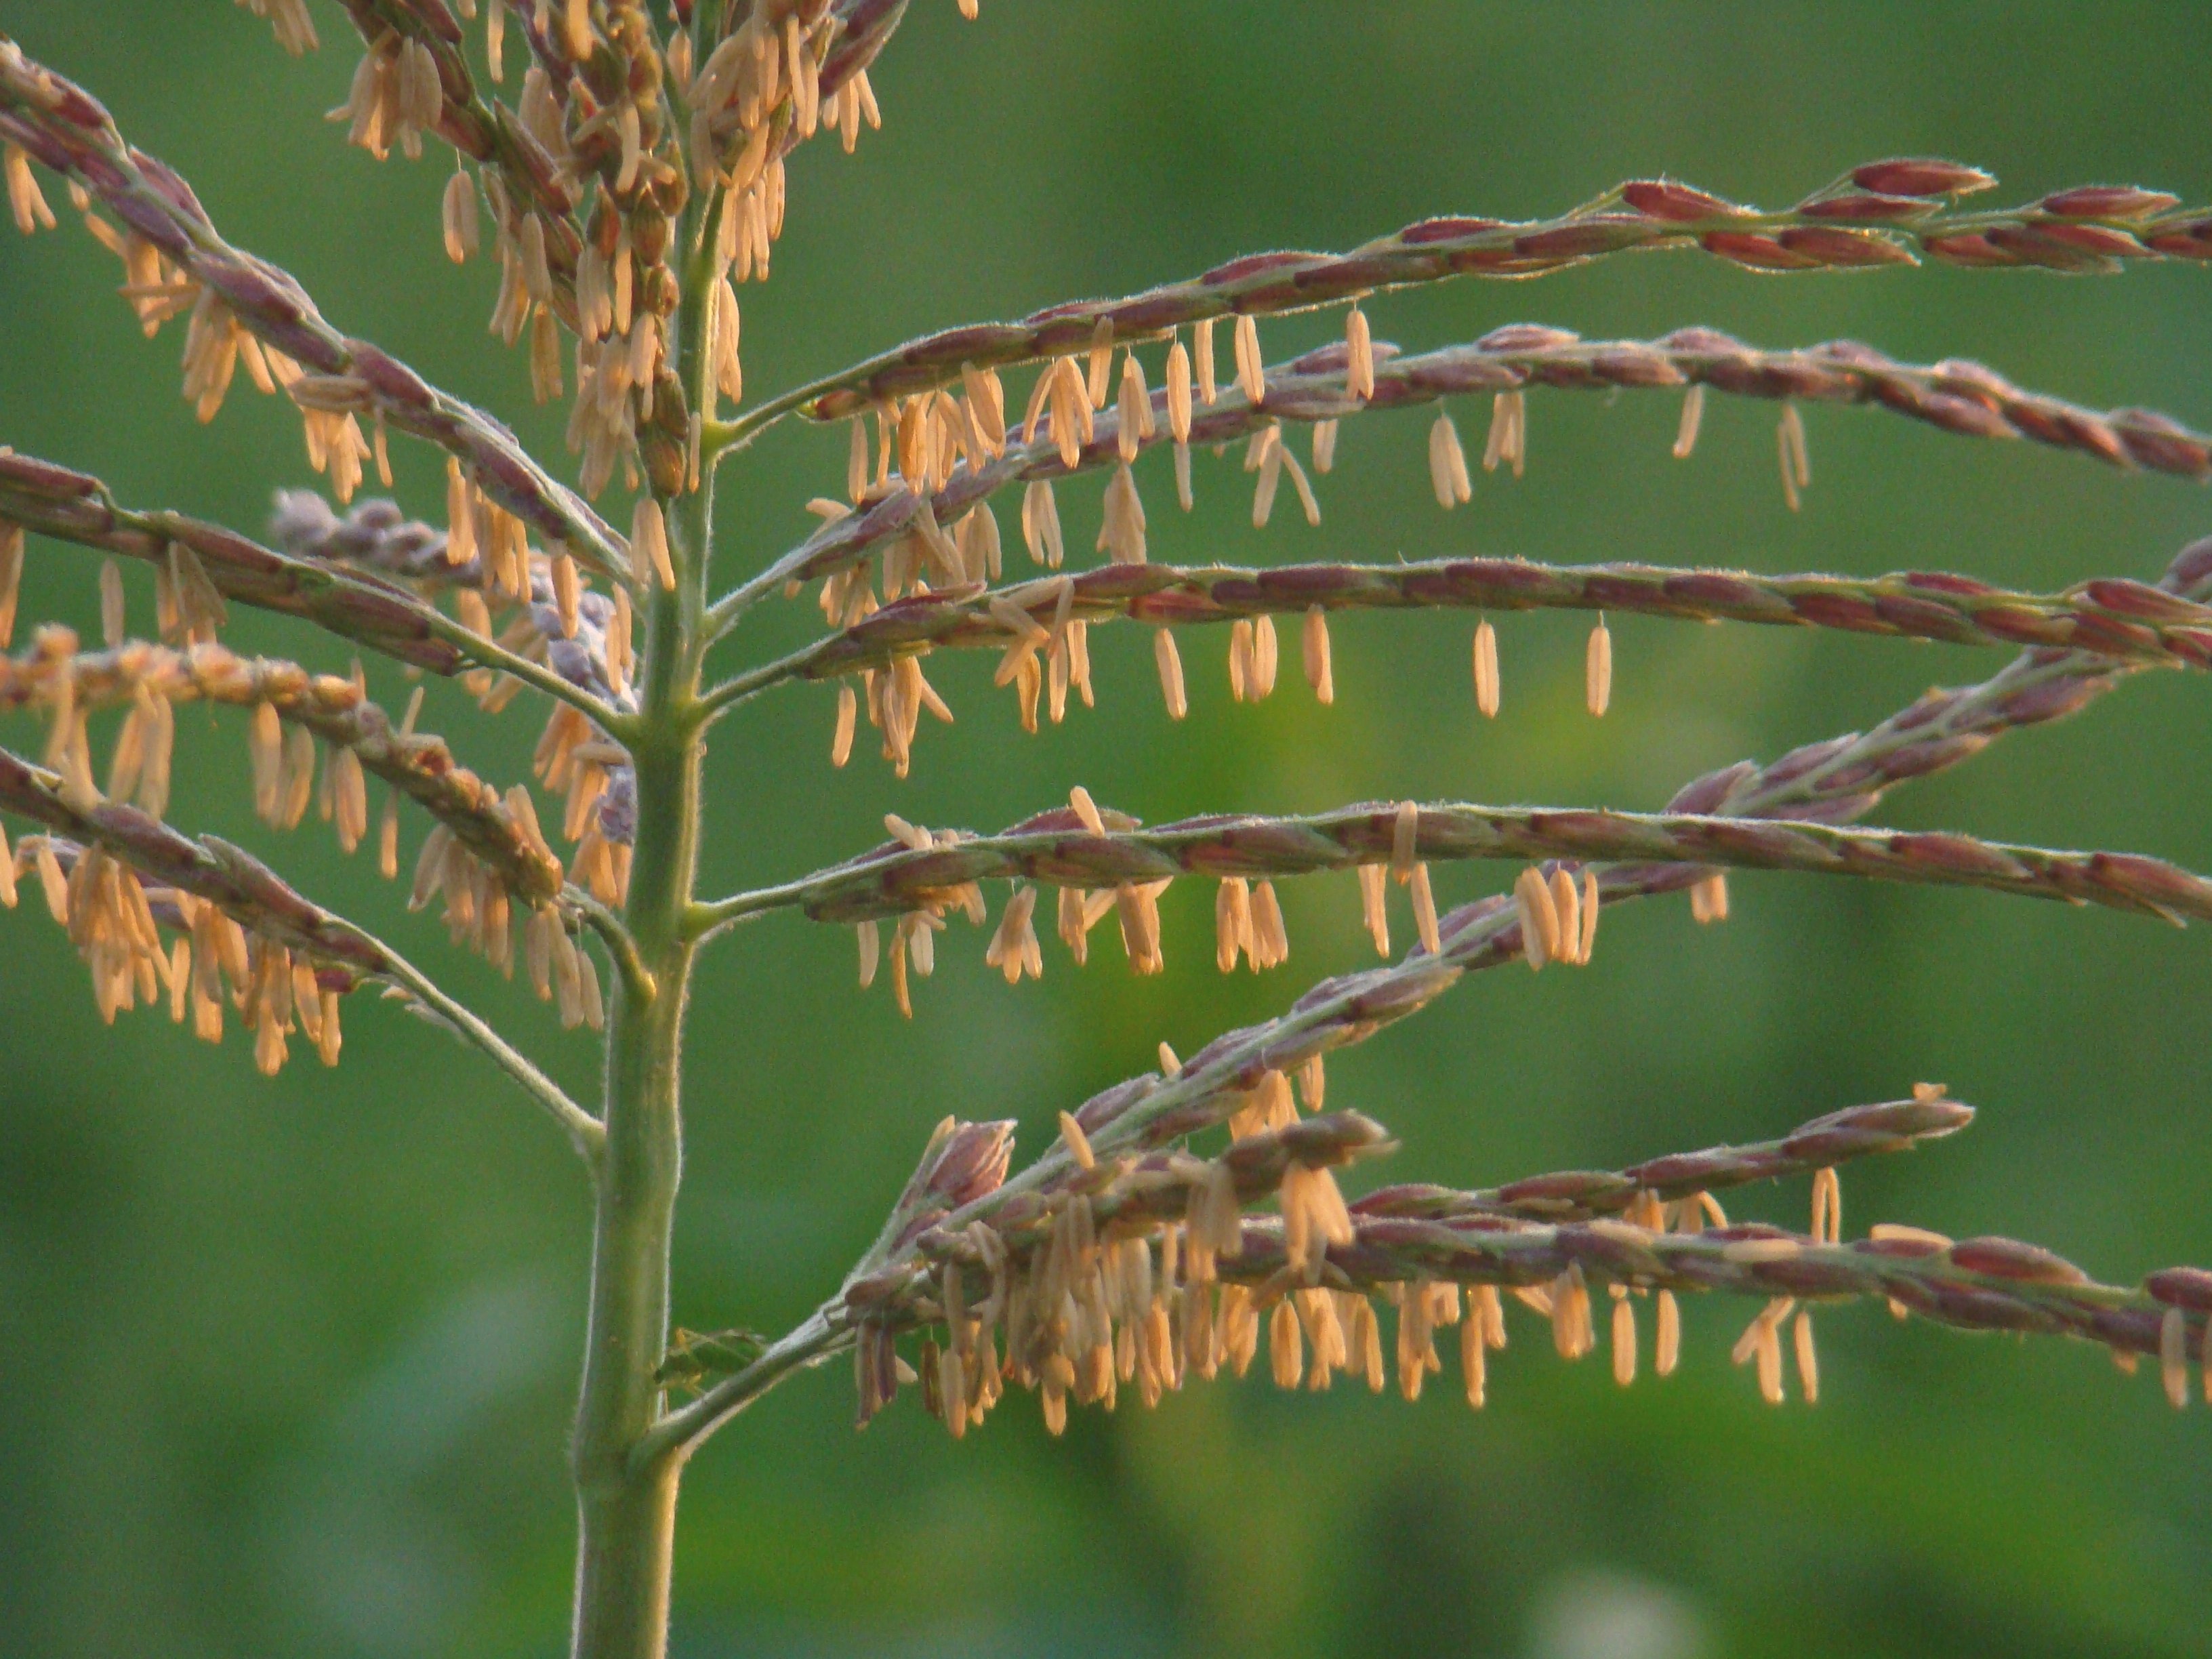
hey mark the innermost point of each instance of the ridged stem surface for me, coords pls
(626, 1502)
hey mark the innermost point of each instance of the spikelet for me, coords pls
(1137, 907)
(1265, 657)
(1508, 442)
(212, 342)
(2172, 1357)
(1041, 532)
(1567, 906)
(1539, 917)
(1314, 1214)
(1271, 941)
(1827, 1226)
(1708, 899)
(1251, 370)
(25, 200)
(840, 743)
(1263, 454)
(1597, 668)
(870, 937)
(1286, 1345)
(1373, 916)
(1134, 411)
(621, 655)
(1359, 355)
(111, 604)
(1405, 838)
(1315, 655)
(294, 30)
(1121, 533)
(265, 740)
(11, 578)
(729, 378)
(1693, 415)
(568, 593)
(856, 462)
(1179, 410)
(1486, 668)
(387, 837)
(1071, 405)
(1073, 922)
(1014, 949)
(1309, 503)
(649, 559)
(457, 213)
(1232, 924)
(53, 884)
(1096, 383)
(1424, 912)
(1624, 1338)
(916, 443)
(1201, 347)
(1761, 1341)
(1571, 1336)
(1077, 1142)
(1448, 475)
(1795, 464)
(985, 408)
(1170, 666)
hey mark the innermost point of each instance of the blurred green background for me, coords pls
(284, 1367)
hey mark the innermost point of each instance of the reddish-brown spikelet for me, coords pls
(1915, 176)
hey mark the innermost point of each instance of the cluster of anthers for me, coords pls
(918, 494)
(585, 181)
(1557, 906)
(941, 444)
(316, 739)
(636, 183)
(1144, 1269)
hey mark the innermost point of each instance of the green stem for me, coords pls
(626, 1491)
(627, 1540)
(627, 1514)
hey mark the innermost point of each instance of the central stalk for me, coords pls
(626, 1500)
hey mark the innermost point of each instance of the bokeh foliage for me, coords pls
(284, 1367)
